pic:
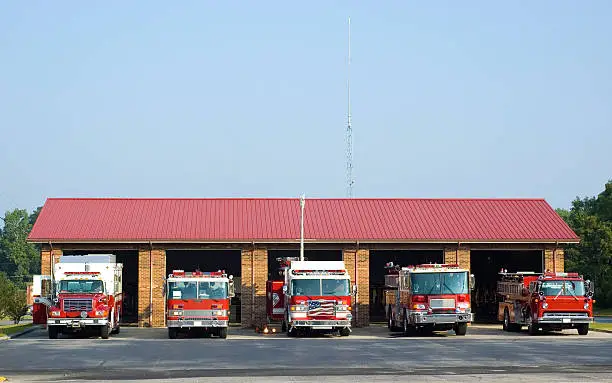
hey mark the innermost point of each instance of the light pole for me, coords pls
(302, 204)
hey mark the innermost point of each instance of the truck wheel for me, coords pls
(291, 332)
(460, 329)
(506, 325)
(284, 326)
(405, 326)
(345, 331)
(53, 332)
(532, 329)
(117, 330)
(105, 331)
(172, 332)
(583, 329)
(223, 332)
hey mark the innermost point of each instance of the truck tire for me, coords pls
(105, 331)
(53, 332)
(172, 332)
(223, 332)
(583, 329)
(407, 330)
(506, 323)
(117, 330)
(291, 332)
(284, 326)
(532, 329)
(345, 331)
(461, 329)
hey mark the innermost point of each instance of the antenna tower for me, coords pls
(349, 130)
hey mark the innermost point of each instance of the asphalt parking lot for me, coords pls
(369, 354)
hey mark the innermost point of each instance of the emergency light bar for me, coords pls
(559, 274)
(81, 272)
(318, 272)
(208, 274)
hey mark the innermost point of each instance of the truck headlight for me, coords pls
(544, 305)
(177, 313)
(55, 313)
(100, 313)
(342, 308)
(419, 306)
(463, 305)
(298, 308)
(586, 306)
(219, 313)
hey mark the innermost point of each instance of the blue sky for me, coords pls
(240, 99)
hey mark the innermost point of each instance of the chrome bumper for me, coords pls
(321, 323)
(567, 320)
(77, 322)
(197, 323)
(424, 318)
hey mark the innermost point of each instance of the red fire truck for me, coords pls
(313, 296)
(548, 302)
(198, 301)
(428, 297)
(88, 295)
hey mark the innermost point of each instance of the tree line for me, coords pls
(591, 219)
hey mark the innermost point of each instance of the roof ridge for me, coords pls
(283, 199)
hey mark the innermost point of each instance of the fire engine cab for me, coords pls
(428, 297)
(313, 296)
(198, 301)
(549, 301)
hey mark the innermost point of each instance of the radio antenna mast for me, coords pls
(349, 130)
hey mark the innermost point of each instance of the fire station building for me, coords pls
(245, 237)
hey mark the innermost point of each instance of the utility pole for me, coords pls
(302, 205)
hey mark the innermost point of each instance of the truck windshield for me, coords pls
(566, 288)
(439, 283)
(320, 287)
(212, 290)
(80, 286)
(182, 290)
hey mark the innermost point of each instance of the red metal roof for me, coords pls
(277, 220)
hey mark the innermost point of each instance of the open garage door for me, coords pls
(485, 265)
(378, 259)
(210, 260)
(129, 259)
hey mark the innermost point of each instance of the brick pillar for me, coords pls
(151, 266)
(459, 255)
(45, 259)
(357, 262)
(554, 259)
(254, 274)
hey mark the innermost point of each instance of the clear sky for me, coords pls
(248, 98)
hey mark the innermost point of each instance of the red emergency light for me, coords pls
(82, 272)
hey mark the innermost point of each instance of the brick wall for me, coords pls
(155, 261)
(45, 259)
(554, 259)
(359, 260)
(459, 255)
(254, 263)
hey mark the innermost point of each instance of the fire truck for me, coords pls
(427, 298)
(547, 302)
(313, 296)
(87, 294)
(198, 301)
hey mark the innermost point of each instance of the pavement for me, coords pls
(369, 354)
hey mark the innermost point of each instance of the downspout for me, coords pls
(357, 286)
(253, 284)
(457, 253)
(554, 256)
(150, 284)
(51, 260)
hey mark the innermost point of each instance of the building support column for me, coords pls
(254, 274)
(357, 263)
(554, 259)
(151, 279)
(459, 255)
(48, 257)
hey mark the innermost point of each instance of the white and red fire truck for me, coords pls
(198, 301)
(428, 297)
(87, 295)
(549, 301)
(313, 296)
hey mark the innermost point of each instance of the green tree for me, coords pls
(18, 258)
(591, 219)
(12, 300)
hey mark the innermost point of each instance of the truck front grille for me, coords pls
(442, 303)
(74, 304)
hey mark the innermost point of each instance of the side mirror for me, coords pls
(541, 293)
(285, 289)
(525, 292)
(590, 286)
(355, 290)
(472, 282)
(231, 291)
